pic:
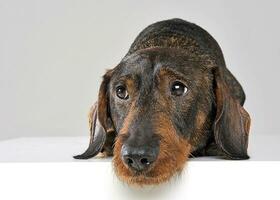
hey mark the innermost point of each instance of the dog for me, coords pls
(170, 98)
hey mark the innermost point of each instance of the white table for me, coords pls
(43, 168)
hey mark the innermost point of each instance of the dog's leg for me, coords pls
(210, 150)
(213, 150)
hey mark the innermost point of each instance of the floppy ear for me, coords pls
(232, 122)
(100, 111)
(103, 108)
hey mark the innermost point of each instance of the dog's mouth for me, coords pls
(169, 159)
(159, 172)
(147, 173)
(141, 179)
(150, 177)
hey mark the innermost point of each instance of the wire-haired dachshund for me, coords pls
(171, 97)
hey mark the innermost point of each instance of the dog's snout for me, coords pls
(139, 158)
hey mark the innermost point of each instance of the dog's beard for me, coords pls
(171, 160)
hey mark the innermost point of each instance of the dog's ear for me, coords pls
(103, 108)
(100, 111)
(232, 122)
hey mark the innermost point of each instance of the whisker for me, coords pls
(191, 155)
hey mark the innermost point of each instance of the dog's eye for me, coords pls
(178, 89)
(122, 92)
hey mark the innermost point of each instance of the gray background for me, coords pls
(53, 54)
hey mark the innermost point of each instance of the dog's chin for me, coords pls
(161, 172)
(144, 180)
(172, 158)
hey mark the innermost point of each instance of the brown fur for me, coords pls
(174, 152)
(128, 120)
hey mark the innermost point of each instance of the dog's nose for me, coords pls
(138, 158)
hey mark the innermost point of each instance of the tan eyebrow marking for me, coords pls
(165, 71)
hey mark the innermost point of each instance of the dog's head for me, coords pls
(159, 105)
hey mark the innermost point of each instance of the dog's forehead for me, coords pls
(149, 62)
